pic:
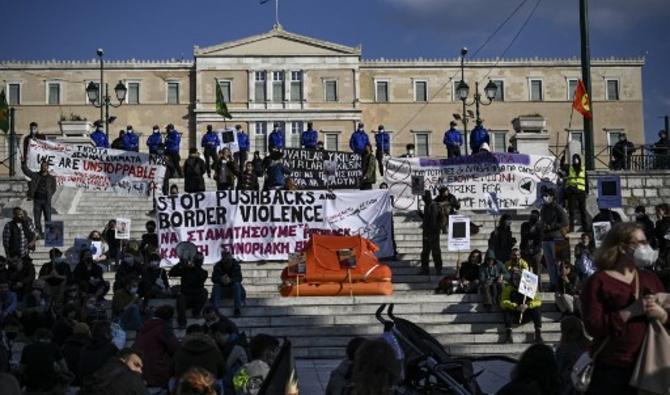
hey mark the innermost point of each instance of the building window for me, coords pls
(536, 93)
(612, 90)
(500, 92)
(613, 137)
(572, 88)
(260, 86)
(420, 91)
(14, 98)
(225, 91)
(260, 140)
(381, 91)
(331, 90)
(173, 92)
(277, 86)
(296, 132)
(499, 142)
(577, 135)
(296, 86)
(133, 93)
(422, 143)
(53, 93)
(332, 141)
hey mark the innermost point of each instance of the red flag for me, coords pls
(582, 103)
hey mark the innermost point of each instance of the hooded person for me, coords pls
(158, 343)
(577, 188)
(80, 338)
(492, 275)
(198, 350)
(262, 349)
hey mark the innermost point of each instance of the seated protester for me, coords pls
(73, 297)
(213, 317)
(262, 351)
(232, 347)
(8, 302)
(149, 241)
(227, 280)
(121, 374)
(248, 180)
(21, 276)
(531, 241)
(42, 365)
(71, 349)
(114, 244)
(126, 305)
(584, 257)
(501, 240)
(56, 274)
(516, 263)
(158, 343)
(572, 345)
(466, 279)
(154, 281)
(339, 377)
(37, 310)
(198, 350)
(492, 275)
(65, 323)
(567, 295)
(192, 293)
(88, 275)
(130, 266)
(519, 309)
(93, 310)
(95, 236)
(98, 351)
(535, 373)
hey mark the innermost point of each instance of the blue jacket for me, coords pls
(172, 142)
(154, 140)
(478, 136)
(452, 137)
(210, 140)
(277, 139)
(243, 141)
(277, 173)
(100, 139)
(383, 141)
(358, 141)
(309, 138)
(131, 142)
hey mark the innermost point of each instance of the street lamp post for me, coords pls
(98, 94)
(463, 91)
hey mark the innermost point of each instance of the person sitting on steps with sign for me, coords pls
(520, 309)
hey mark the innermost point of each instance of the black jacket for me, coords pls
(94, 355)
(501, 242)
(194, 170)
(231, 267)
(113, 378)
(72, 352)
(35, 178)
(553, 219)
(531, 238)
(192, 278)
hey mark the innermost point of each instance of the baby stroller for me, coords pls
(428, 368)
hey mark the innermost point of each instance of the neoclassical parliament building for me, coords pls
(289, 78)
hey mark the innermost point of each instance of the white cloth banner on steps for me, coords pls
(270, 225)
(512, 179)
(97, 169)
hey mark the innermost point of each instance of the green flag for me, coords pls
(4, 112)
(221, 107)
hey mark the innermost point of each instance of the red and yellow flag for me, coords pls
(582, 103)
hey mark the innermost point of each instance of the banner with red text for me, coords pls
(270, 225)
(97, 169)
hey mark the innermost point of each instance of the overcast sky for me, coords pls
(161, 29)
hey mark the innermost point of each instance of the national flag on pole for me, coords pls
(4, 112)
(282, 378)
(221, 107)
(582, 102)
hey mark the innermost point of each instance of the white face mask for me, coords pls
(645, 256)
(33, 130)
(548, 199)
(411, 152)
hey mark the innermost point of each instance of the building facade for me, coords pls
(288, 78)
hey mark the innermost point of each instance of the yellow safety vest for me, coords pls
(577, 180)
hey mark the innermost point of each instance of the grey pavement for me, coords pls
(313, 374)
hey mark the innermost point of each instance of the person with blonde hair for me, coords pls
(618, 301)
(197, 381)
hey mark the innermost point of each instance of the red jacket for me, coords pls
(157, 342)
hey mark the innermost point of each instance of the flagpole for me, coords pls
(277, 12)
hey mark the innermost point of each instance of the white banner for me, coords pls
(270, 225)
(512, 178)
(97, 169)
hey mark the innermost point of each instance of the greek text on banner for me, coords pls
(97, 169)
(320, 169)
(269, 225)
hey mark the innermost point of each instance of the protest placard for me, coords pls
(600, 230)
(459, 233)
(122, 231)
(53, 234)
(97, 169)
(228, 137)
(319, 169)
(269, 225)
(528, 284)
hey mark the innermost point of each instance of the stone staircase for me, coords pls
(320, 327)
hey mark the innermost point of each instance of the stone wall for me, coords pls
(648, 189)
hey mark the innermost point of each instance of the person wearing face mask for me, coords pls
(55, 273)
(409, 151)
(359, 139)
(154, 281)
(431, 225)
(369, 176)
(130, 266)
(501, 239)
(88, 276)
(618, 301)
(99, 136)
(553, 219)
(126, 305)
(622, 153)
(33, 133)
(131, 142)
(154, 140)
(520, 309)
(41, 188)
(18, 235)
(577, 188)
(192, 293)
(531, 241)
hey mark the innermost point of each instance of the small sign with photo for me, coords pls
(600, 230)
(53, 234)
(122, 231)
(459, 233)
(528, 284)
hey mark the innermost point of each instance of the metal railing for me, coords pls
(642, 158)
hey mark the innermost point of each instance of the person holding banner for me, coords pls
(99, 136)
(34, 133)
(131, 142)
(242, 145)
(210, 144)
(453, 140)
(518, 308)
(41, 189)
(430, 226)
(383, 142)
(359, 139)
(309, 137)
(172, 142)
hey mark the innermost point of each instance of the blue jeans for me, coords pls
(234, 289)
(131, 318)
(549, 251)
